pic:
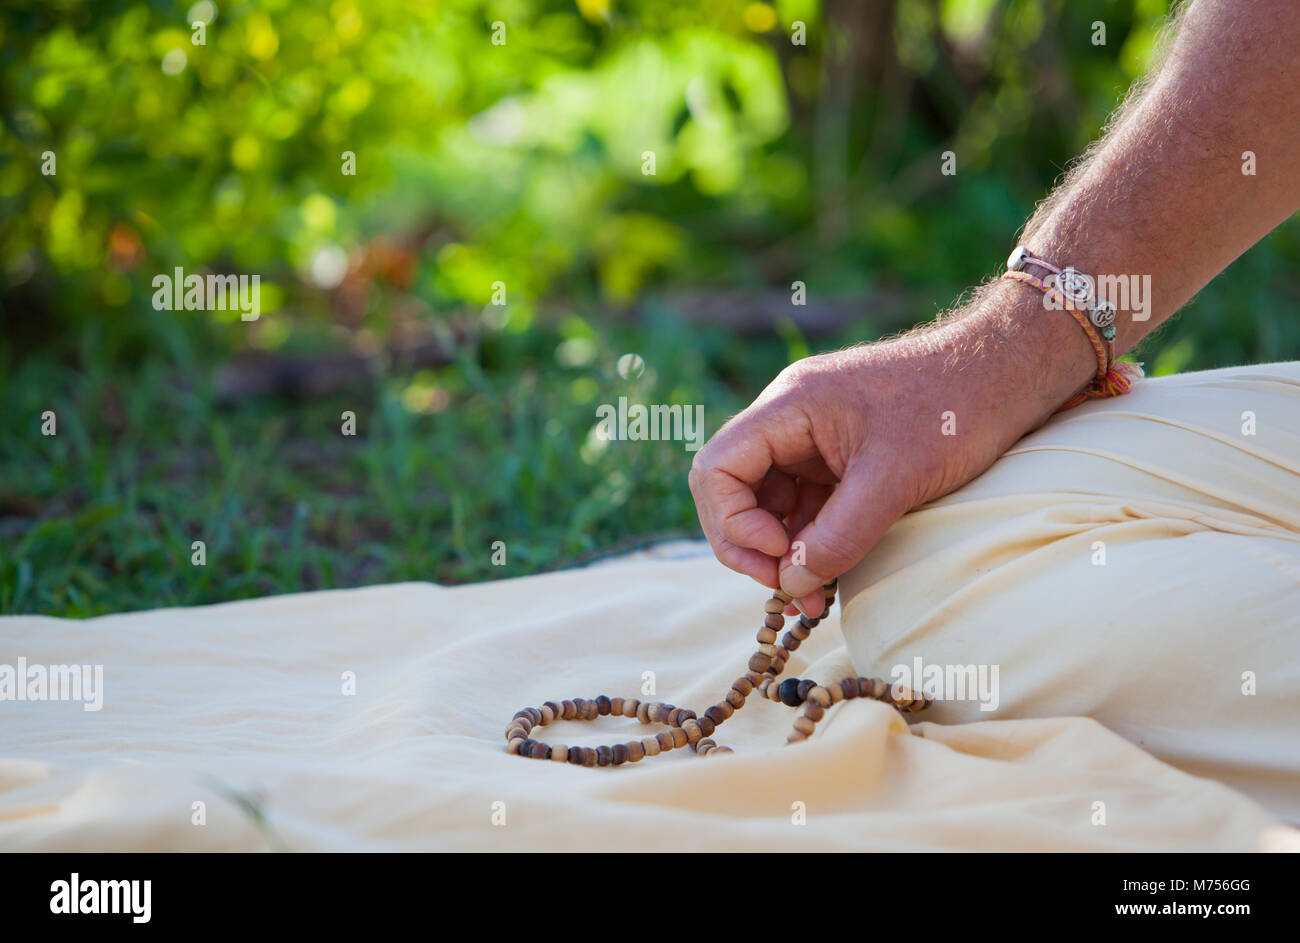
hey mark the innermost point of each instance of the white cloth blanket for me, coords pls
(227, 727)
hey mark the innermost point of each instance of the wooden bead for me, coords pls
(616, 706)
(735, 699)
(643, 712)
(768, 650)
(548, 715)
(765, 636)
(804, 726)
(836, 693)
(789, 692)
(692, 730)
(790, 643)
(653, 713)
(680, 739)
(877, 688)
(850, 687)
(716, 714)
(650, 746)
(813, 711)
(774, 622)
(635, 751)
(774, 606)
(759, 662)
(539, 751)
(820, 695)
(513, 746)
(864, 687)
(589, 757)
(706, 725)
(804, 687)
(629, 706)
(743, 685)
(566, 710)
(782, 595)
(602, 706)
(604, 756)
(575, 756)
(559, 753)
(800, 631)
(619, 751)
(754, 677)
(704, 746)
(666, 741)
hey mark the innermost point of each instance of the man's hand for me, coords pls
(841, 445)
(796, 489)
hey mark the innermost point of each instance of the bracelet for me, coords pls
(1073, 292)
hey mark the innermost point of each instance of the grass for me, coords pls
(103, 516)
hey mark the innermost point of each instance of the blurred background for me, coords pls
(518, 162)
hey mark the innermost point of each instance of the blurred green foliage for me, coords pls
(519, 163)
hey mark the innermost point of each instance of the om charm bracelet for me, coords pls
(1074, 292)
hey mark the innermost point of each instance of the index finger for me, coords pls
(725, 479)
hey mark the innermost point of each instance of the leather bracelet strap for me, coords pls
(1073, 293)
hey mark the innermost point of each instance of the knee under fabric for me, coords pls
(1136, 561)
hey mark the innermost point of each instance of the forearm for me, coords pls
(1163, 199)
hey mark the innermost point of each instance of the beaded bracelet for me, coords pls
(1073, 293)
(686, 728)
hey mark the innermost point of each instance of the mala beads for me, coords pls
(685, 727)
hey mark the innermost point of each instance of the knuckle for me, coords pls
(697, 474)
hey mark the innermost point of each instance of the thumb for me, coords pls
(861, 508)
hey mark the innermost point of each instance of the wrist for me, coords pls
(1029, 360)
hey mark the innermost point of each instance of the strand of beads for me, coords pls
(685, 727)
(816, 699)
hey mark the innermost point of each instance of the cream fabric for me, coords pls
(241, 703)
(1200, 523)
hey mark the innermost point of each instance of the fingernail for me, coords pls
(800, 581)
